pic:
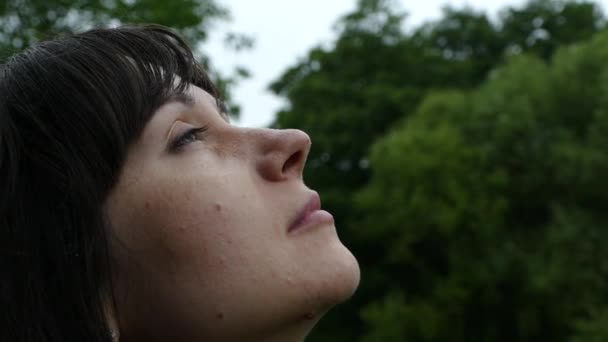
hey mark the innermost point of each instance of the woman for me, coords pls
(132, 210)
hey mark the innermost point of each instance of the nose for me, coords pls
(283, 154)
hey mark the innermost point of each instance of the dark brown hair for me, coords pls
(69, 109)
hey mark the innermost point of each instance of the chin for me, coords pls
(340, 278)
(331, 271)
(347, 276)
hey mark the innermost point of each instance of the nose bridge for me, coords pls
(281, 154)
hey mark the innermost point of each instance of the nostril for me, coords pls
(293, 161)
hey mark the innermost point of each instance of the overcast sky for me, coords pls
(285, 30)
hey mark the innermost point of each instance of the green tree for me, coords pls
(27, 21)
(489, 203)
(373, 79)
(544, 25)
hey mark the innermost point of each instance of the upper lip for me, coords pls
(313, 204)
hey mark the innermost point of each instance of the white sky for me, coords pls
(285, 30)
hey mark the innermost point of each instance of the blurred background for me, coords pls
(460, 146)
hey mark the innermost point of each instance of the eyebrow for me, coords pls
(189, 101)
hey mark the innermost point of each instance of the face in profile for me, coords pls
(214, 234)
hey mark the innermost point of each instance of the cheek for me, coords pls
(190, 225)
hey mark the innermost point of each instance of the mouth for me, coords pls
(311, 215)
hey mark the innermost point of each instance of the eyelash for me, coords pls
(191, 135)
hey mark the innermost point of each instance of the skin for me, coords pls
(199, 233)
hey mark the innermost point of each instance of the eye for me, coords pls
(191, 135)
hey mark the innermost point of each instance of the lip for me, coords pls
(311, 215)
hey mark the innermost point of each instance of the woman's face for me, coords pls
(200, 224)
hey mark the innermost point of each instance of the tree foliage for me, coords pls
(28, 21)
(463, 160)
(490, 203)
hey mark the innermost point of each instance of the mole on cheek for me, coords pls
(218, 207)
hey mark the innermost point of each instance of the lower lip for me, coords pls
(314, 219)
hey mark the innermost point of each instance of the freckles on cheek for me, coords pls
(193, 213)
(186, 236)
